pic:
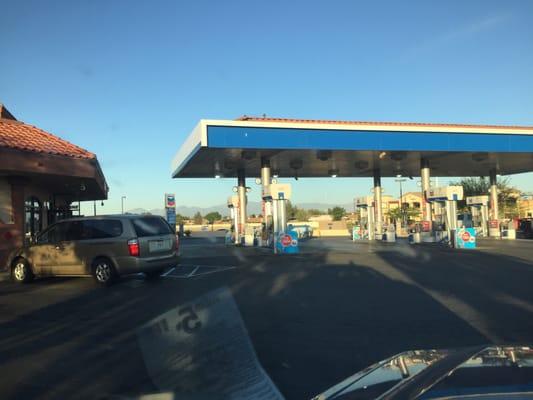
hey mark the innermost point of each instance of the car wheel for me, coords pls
(103, 271)
(154, 274)
(21, 271)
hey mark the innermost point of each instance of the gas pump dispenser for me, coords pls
(479, 206)
(367, 227)
(233, 205)
(444, 200)
(283, 239)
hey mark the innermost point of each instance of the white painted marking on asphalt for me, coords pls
(197, 270)
(217, 270)
(169, 271)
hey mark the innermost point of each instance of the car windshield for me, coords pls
(266, 199)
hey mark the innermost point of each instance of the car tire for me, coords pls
(104, 272)
(21, 271)
(151, 275)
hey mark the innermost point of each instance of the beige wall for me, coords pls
(525, 207)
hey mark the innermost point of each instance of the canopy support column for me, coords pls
(265, 186)
(494, 212)
(241, 182)
(425, 178)
(378, 203)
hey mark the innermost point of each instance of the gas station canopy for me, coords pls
(319, 148)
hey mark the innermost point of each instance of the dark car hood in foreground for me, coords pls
(497, 372)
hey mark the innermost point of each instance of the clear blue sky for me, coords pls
(129, 80)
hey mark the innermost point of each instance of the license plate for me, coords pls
(159, 245)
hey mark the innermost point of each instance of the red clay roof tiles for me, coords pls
(20, 136)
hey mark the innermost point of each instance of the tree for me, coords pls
(294, 212)
(197, 218)
(212, 217)
(398, 214)
(301, 214)
(337, 213)
(314, 211)
(473, 186)
(290, 210)
(507, 194)
(180, 218)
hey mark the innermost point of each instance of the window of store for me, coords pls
(58, 213)
(33, 222)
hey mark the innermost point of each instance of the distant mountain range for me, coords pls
(254, 207)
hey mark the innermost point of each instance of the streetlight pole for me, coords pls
(122, 203)
(399, 179)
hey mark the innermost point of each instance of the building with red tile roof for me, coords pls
(20, 136)
(41, 175)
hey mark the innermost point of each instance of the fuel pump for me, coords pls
(444, 200)
(479, 206)
(285, 241)
(233, 205)
(367, 227)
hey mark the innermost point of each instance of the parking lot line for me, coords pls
(169, 271)
(197, 270)
(219, 269)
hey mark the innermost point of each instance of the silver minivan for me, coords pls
(104, 247)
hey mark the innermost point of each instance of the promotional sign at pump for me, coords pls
(465, 238)
(356, 233)
(425, 226)
(287, 242)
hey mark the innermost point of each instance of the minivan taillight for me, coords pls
(133, 247)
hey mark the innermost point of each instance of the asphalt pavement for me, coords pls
(313, 318)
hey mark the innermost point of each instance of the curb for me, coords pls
(4, 276)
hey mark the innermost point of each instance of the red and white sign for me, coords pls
(465, 236)
(493, 223)
(170, 200)
(286, 240)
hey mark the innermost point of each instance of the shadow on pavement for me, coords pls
(314, 318)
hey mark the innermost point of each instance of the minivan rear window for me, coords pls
(102, 228)
(151, 226)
